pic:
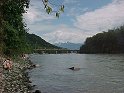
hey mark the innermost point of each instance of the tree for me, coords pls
(106, 42)
(1, 28)
(13, 27)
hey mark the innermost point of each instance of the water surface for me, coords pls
(98, 73)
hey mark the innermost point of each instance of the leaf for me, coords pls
(45, 1)
(45, 6)
(48, 9)
(62, 8)
(57, 14)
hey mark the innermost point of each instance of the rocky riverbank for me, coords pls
(16, 80)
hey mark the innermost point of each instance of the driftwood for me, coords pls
(75, 69)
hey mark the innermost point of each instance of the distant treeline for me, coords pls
(105, 42)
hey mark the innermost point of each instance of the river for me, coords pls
(99, 73)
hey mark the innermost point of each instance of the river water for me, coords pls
(99, 73)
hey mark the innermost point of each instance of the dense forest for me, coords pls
(14, 39)
(12, 27)
(105, 42)
(36, 42)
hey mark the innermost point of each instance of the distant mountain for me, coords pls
(37, 42)
(69, 45)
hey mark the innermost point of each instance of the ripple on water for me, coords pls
(97, 74)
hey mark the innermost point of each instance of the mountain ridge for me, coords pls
(36, 42)
(69, 45)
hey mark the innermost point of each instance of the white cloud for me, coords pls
(87, 24)
(75, 12)
(64, 34)
(31, 15)
(107, 17)
(36, 12)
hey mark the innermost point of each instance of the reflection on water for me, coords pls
(97, 74)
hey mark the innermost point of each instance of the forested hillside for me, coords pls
(37, 42)
(105, 42)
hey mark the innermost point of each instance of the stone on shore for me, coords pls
(17, 80)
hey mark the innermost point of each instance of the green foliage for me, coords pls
(48, 8)
(37, 42)
(62, 8)
(1, 28)
(106, 42)
(13, 28)
(14, 38)
(57, 14)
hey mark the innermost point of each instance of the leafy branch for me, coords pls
(49, 9)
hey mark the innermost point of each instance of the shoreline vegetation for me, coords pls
(17, 80)
(110, 42)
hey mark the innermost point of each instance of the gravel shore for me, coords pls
(16, 80)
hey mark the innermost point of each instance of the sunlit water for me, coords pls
(98, 74)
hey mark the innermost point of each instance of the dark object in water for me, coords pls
(34, 65)
(75, 69)
(37, 91)
(72, 68)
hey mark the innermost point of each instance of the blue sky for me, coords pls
(81, 19)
